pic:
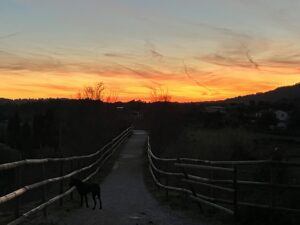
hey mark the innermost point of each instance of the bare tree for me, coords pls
(95, 92)
(78, 95)
(160, 94)
(112, 96)
(98, 92)
(88, 92)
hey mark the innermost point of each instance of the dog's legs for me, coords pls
(100, 202)
(86, 201)
(99, 197)
(81, 202)
(94, 198)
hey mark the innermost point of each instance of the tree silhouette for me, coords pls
(45, 130)
(26, 138)
(160, 94)
(95, 92)
(13, 131)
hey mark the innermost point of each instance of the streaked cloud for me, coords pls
(4, 36)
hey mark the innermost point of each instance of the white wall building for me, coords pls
(282, 118)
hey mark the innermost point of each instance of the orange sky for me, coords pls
(184, 86)
(204, 50)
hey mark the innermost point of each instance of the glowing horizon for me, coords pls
(197, 50)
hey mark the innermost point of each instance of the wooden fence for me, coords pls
(100, 157)
(219, 179)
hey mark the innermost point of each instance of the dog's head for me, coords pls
(74, 182)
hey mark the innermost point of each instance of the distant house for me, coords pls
(282, 118)
(281, 115)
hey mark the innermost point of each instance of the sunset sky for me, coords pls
(198, 50)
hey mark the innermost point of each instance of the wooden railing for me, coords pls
(182, 175)
(101, 156)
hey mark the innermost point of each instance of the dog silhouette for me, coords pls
(84, 189)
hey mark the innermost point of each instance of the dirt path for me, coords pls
(126, 200)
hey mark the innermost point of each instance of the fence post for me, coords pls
(271, 189)
(61, 184)
(211, 174)
(167, 184)
(272, 203)
(17, 185)
(72, 167)
(184, 198)
(158, 178)
(61, 172)
(235, 193)
(44, 189)
(190, 185)
(277, 155)
(149, 158)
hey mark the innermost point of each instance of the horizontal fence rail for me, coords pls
(103, 155)
(11, 165)
(182, 172)
(195, 166)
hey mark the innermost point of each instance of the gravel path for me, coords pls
(126, 200)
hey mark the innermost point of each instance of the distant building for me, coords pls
(282, 118)
(281, 115)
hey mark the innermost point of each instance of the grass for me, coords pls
(240, 144)
(228, 144)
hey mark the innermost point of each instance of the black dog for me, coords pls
(86, 188)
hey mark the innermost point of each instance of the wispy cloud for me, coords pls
(153, 52)
(4, 36)
(186, 71)
(118, 55)
(58, 87)
(14, 62)
(252, 56)
(144, 74)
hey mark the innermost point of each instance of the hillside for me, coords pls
(289, 93)
(4, 100)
